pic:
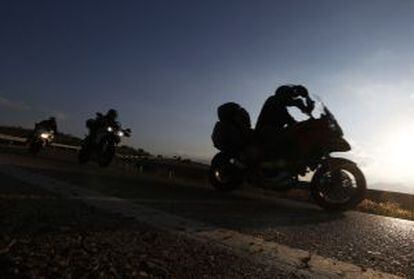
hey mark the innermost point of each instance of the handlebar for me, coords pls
(310, 115)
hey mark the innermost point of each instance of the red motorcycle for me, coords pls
(304, 148)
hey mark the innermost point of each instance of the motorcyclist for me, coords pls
(102, 121)
(274, 117)
(48, 124)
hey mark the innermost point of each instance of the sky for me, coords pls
(167, 65)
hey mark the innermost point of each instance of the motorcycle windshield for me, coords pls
(317, 112)
(321, 111)
(319, 108)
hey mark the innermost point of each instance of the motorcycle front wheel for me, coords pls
(106, 154)
(35, 147)
(223, 175)
(338, 185)
(84, 155)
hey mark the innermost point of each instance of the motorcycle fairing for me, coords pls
(339, 145)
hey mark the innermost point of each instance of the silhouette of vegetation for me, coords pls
(128, 150)
(387, 208)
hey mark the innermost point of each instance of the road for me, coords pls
(381, 243)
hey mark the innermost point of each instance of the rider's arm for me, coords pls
(290, 120)
(297, 103)
(304, 107)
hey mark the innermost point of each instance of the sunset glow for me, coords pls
(397, 154)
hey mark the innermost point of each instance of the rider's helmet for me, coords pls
(284, 89)
(112, 114)
(52, 119)
(300, 90)
(295, 92)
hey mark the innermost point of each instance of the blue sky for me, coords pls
(167, 65)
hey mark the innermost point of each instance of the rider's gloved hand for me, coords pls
(310, 105)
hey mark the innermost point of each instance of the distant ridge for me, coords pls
(393, 187)
(69, 140)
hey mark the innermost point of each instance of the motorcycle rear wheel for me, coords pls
(223, 175)
(338, 185)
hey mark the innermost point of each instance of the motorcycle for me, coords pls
(103, 146)
(337, 184)
(40, 139)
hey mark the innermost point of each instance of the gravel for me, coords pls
(45, 236)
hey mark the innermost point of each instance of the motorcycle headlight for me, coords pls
(109, 129)
(120, 133)
(44, 135)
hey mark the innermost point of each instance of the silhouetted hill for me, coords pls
(393, 187)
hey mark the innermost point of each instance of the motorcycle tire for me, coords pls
(339, 165)
(106, 156)
(35, 147)
(223, 175)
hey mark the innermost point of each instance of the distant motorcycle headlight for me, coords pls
(109, 129)
(120, 133)
(44, 135)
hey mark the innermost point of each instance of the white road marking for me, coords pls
(290, 260)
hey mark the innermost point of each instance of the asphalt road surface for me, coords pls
(382, 243)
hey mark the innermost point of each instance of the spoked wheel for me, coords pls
(223, 175)
(338, 185)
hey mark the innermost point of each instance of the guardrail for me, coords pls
(169, 167)
(12, 139)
